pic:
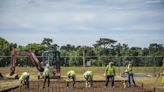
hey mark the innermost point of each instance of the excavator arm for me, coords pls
(35, 61)
(13, 62)
(29, 54)
(55, 55)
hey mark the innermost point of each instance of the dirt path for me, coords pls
(80, 87)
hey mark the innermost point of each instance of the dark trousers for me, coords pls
(107, 80)
(89, 81)
(73, 78)
(131, 77)
(45, 79)
(26, 81)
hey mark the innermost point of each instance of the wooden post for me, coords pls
(142, 86)
(154, 89)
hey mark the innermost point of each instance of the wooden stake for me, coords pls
(154, 89)
(142, 86)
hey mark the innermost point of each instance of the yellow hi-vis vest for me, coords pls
(130, 70)
(71, 73)
(22, 77)
(88, 73)
(49, 72)
(111, 70)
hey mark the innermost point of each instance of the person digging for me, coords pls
(24, 79)
(88, 75)
(71, 75)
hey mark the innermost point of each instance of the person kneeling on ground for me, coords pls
(88, 75)
(71, 75)
(110, 73)
(24, 79)
(46, 75)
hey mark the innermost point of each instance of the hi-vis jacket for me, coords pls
(130, 70)
(47, 72)
(110, 70)
(22, 77)
(71, 73)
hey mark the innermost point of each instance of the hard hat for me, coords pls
(25, 73)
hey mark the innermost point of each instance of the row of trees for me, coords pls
(101, 53)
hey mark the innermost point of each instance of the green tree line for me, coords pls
(101, 53)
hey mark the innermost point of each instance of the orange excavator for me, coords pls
(39, 65)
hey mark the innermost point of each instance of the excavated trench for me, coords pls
(60, 86)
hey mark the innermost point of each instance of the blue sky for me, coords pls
(82, 22)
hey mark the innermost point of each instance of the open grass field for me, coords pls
(149, 82)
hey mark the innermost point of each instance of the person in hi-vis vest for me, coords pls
(24, 78)
(71, 75)
(88, 75)
(110, 73)
(129, 71)
(47, 75)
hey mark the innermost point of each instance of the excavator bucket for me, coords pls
(14, 76)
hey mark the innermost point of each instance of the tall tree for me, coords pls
(5, 47)
(104, 45)
(47, 42)
(36, 48)
(104, 42)
(53, 47)
(68, 47)
(13, 45)
(155, 49)
(4, 51)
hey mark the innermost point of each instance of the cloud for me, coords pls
(99, 17)
(154, 1)
(84, 20)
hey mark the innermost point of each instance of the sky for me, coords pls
(82, 22)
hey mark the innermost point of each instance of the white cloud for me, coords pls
(67, 20)
(154, 1)
(83, 17)
(90, 18)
